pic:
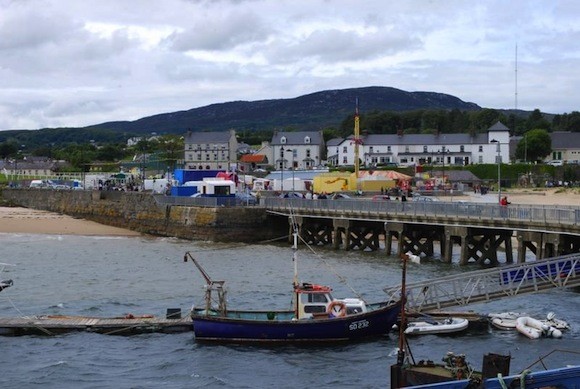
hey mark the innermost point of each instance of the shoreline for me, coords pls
(32, 221)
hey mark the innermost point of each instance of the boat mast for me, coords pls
(402, 327)
(295, 280)
(357, 141)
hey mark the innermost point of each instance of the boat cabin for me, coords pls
(316, 301)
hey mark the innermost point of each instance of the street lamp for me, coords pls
(498, 159)
(292, 151)
(282, 170)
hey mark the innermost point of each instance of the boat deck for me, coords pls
(54, 325)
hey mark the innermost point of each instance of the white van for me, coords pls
(38, 184)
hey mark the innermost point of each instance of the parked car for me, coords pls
(246, 199)
(341, 196)
(424, 198)
(555, 162)
(381, 198)
(292, 195)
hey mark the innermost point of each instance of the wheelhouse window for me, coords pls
(313, 298)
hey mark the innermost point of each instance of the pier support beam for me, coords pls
(529, 240)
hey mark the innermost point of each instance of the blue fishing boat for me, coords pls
(316, 316)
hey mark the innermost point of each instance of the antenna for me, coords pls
(516, 69)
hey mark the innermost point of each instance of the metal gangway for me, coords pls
(490, 284)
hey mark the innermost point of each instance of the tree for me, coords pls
(535, 145)
(8, 149)
(536, 120)
(171, 148)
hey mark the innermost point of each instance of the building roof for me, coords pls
(208, 137)
(421, 139)
(253, 158)
(457, 175)
(334, 142)
(498, 127)
(297, 138)
(565, 140)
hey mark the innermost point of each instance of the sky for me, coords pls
(74, 63)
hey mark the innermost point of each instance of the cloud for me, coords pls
(64, 63)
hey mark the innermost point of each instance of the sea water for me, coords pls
(113, 276)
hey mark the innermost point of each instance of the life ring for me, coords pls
(333, 311)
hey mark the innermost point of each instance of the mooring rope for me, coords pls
(23, 316)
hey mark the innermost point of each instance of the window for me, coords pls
(207, 157)
(481, 149)
(345, 159)
(307, 139)
(283, 140)
(313, 298)
(462, 148)
(314, 308)
(480, 160)
(406, 149)
(307, 153)
(425, 149)
(344, 149)
(388, 149)
(370, 149)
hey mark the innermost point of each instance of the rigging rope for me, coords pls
(341, 278)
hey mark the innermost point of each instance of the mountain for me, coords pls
(314, 111)
(309, 112)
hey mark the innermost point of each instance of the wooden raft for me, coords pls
(54, 325)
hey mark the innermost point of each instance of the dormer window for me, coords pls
(307, 139)
(283, 140)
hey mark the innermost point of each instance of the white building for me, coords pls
(418, 149)
(210, 150)
(297, 150)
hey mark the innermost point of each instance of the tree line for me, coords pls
(107, 146)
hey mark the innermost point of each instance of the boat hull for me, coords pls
(567, 377)
(534, 329)
(448, 326)
(237, 329)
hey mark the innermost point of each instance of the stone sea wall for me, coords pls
(140, 212)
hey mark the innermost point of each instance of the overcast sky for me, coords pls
(76, 62)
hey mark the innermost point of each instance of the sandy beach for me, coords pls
(31, 221)
(24, 220)
(552, 196)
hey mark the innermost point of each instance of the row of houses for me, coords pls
(306, 150)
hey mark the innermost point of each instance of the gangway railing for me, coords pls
(490, 284)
